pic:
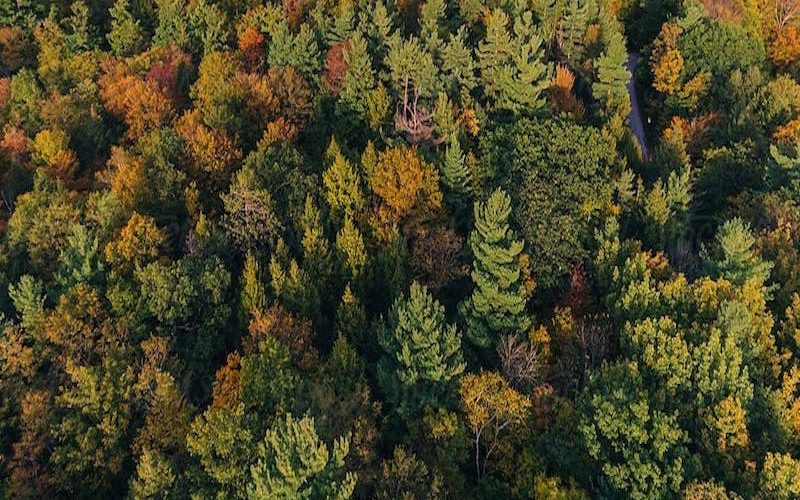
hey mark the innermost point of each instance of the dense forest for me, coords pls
(400, 249)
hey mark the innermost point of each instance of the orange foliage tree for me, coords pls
(141, 104)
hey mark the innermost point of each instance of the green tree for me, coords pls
(456, 175)
(126, 36)
(558, 175)
(294, 463)
(343, 186)
(734, 257)
(497, 304)
(611, 87)
(422, 354)
(94, 430)
(513, 76)
(80, 260)
(253, 296)
(637, 449)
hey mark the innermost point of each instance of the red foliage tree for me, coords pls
(336, 67)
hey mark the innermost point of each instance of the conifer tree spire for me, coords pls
(497, 304)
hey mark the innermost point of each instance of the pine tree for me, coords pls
(611, 87)
(294, 463)
(351, 318)
(80, 260)
(359, 80)
(497, 304)
(28, 299)
(734, 257)
(126, 36)
(253, 295)
(513, 76)
(343, 187)
(422, 354)
(455, 173)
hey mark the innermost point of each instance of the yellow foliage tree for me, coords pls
(492, 409)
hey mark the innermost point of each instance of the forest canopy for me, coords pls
(400, 249)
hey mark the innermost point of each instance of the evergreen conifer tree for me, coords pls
(455, 173)
(612, 76)
(253, 295)
(421, 353)
(735, 259)
(294, 463)
(343, 189)
(497, 304)
(511, 71)
(126, 35)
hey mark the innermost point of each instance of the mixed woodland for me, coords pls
(399, 249)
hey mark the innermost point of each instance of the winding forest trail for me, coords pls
(635, 116)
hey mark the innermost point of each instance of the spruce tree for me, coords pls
(422, 354)
(343, 187)
(497, 304)
(352, 251)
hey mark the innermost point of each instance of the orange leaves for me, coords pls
(251, 44)
(789, 132)
(562, 99)
(127, 178)
(785, 49)
(140, 103)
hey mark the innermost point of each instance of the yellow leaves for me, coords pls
(708, 294)
(139, 240)
(402, 178)
(667, 61)
(694, 90)
(727, 425)
(490, 403)
(407, 185)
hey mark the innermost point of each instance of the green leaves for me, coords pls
(511, 70)
(422, 354)
(294, 463)
(497, 304)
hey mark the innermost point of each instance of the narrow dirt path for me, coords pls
(635, 117)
